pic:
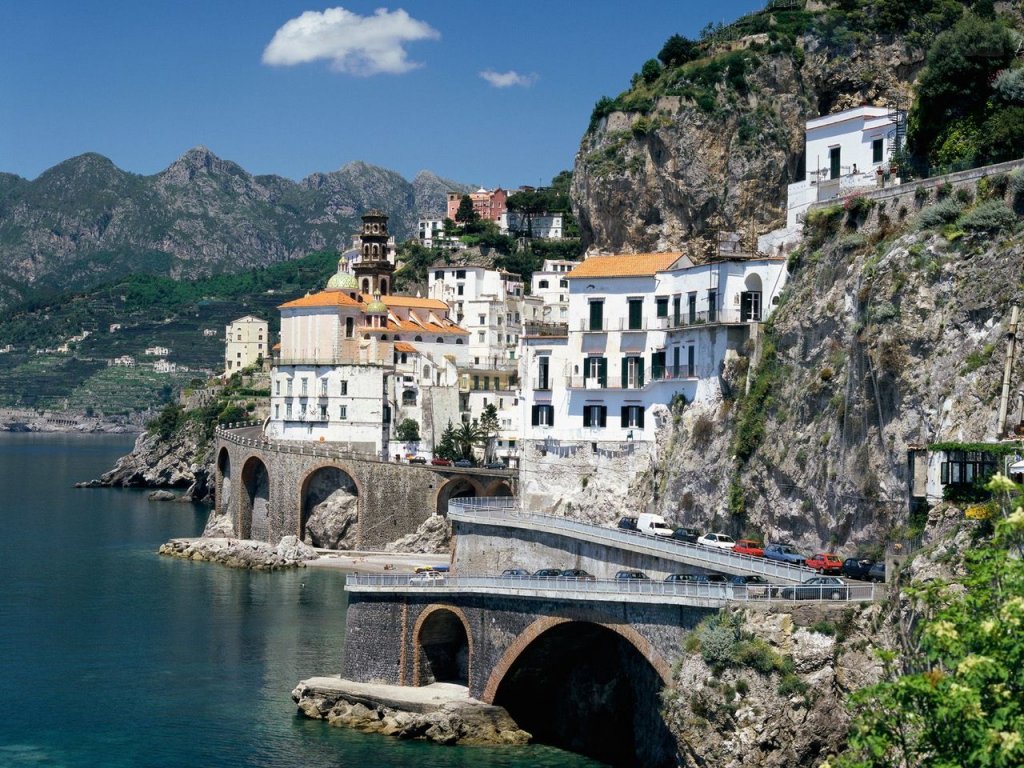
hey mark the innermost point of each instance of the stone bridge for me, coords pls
(582, 674)
(269, 488)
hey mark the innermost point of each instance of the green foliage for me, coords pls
(822, 224)
(447, 447)
(755, 406)
(467, 435)
(650, 71)
(466, 214)
(167, 422)
(408, 431)
(955, 697)
(991, 217)
(678, 50)
(718, 634)
(939, 214)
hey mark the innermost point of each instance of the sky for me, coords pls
(493, 94)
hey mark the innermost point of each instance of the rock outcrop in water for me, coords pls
(240, 553)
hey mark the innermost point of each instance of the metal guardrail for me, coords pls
(505, 512)
(609, 590)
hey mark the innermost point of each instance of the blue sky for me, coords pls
(496, 94)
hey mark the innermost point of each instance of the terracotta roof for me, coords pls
(408, 301)
(404, 346)
(323, 299)
(425, 327)
(624, 265)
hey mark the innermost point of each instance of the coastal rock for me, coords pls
(241, 553)
(332, 523)
(218, 526)
(432, 537)
(162, 496)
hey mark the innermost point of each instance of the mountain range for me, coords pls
(86, 221)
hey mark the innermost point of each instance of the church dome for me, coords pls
(376, 307)
(342, 281)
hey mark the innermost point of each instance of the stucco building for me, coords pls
(246, 341)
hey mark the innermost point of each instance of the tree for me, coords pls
(677, 50)
(650, 71)
(489, 426)
(466, 214)
(447, 448)
(408, 431)
(468, 435)
(956, 695)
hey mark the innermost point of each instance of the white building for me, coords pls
(246, 340)
(642, 329)
(551, 286)
(157, 351)
(543, 226)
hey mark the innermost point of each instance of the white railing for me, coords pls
(618, 590)
(471, 510)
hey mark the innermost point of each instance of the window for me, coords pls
(542, 284)
(658, 365)
(691, 366)
(877, 147)
(439, 274)
(834, 167)
(632, 416)
(661, 305)
(277, 411)
(483, 320)
(965, 467)
(597, 315)
(595, 415)
(460, 274)
(486, 383)
(712, 306)
(476, 382)
(543, 364)
(632, 372)
(543, 416)
(323, 413)
(459, 289)
(342, 411)
(303, 387)
(691, 307)
(343, 388)
(349, 327)
(323, 387)
(595, 369)
(289, 388)
(480, 336)
(563, 283)
(277, 387)
(288, 410)
(636, 314)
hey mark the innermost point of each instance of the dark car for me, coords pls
(752, 586)
(877, 572)
(689, 535)
(496, 465)
(857, 569)
(418, 460)
(785, 553)
(464, 463)
(577, 573)
(515, 573)
(627, 523)
(817, 588)
(437, 461)
(547, 573)
(631, 575)
(699, 578)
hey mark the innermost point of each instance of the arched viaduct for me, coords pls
(584, 675)
(270, 488)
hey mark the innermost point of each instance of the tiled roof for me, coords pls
(424, 327)
(404, 346)
(323, 299)
(625, 265)
(408, 301)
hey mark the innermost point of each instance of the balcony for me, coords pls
(731, 316)
(651, 377)
(542, 384)
(622, 325)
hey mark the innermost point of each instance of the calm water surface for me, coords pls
(111, 655)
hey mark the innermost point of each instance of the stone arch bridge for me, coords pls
(269, 488)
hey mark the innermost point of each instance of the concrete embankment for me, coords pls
(442, 712)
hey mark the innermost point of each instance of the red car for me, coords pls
(748, 547)
(437, 461)
(825, 562)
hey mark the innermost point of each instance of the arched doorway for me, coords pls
(588, 688)
(750, 299)
(255, 508)
(443, 648)
(329, 515)
(223, 491)
(456, 488)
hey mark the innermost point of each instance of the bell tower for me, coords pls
(373, 268)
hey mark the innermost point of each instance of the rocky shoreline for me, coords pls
(442, 713)
(242, 553)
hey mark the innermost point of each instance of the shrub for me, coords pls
(822, 224)
(641, 127)
(650, 71)
(718, 634)
(991, 216)
(964, 196)
(703, 428)
(791, 685)
(939, 214)
(852, 242)
(920, 195)
(943, 190)
(757, 655)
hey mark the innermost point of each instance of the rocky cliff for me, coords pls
(85, 220)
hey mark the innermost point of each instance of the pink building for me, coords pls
(490, 204)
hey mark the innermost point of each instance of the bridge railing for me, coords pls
(581, 589)
(508, 512)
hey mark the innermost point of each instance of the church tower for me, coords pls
(373, 268)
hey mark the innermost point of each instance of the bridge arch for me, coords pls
(222, 493)
(499, 488)
(458, 487)
(442, 646)
(319, 484)
(254, 507)
(588, 686)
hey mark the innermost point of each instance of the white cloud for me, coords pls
(358, 45)
(507, 79)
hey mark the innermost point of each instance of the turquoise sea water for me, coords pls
(111, 655)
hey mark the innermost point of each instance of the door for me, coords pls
(750, 306)
(833, 162)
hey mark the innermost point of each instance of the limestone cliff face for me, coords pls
(668, 179)
(182, 461)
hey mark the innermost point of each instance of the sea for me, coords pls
(112, 655)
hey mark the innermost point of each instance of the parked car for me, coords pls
(748, 547)
(784, 553)
(547, 573)
(857, 569)
(427, 578)
(877, 572)
(437, 461)
(752, 586)
(577, 573)
(418, 460)
(690, 577)
(652, 525)
(630, 575)
(689, 535)
(496, 465)
(464, 463)
(817, 588)
(825, 562)
(627, 523)
(718, 540)
(515, 573)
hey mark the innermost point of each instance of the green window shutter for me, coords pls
(602, 369)
(602, 415)
(640, 372)
(640, 417)
(586, 369)
(534, 415)
(625, 372)
(624, 416)
(586, 415)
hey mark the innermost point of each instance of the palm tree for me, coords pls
(467, 435)
(489, 426)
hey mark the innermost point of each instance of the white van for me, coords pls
(652, 525)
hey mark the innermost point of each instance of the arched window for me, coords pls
(418, 338)
(458, 341)
(440, 340)
(383, 287)
(383, 337)
(366, 335)
(366, 285)
(366, 249)
(376, 249)
(349, 327)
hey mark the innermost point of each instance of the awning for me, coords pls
(1016, 467)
